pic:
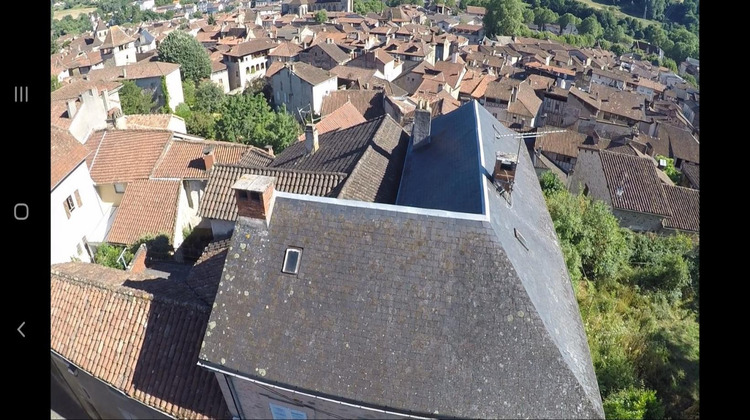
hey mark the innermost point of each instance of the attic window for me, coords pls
(291, 260)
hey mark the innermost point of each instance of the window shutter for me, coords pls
(65, 206)
(78, 199)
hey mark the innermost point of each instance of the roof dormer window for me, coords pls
(291, 260)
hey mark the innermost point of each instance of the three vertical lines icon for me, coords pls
(22, 93)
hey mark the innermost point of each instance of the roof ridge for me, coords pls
(287, 170)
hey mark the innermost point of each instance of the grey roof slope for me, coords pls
(370, 153)
(409, 309)
(219, 201)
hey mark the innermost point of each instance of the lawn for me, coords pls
(619, 13)
(59, 14)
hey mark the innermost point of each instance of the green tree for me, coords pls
(528, 15)
(181, 48)
(363, 7)
(504, 17)
(188, 93)
(673, 173)
(551, 183)
(321, 16)
(543, 17)
(591, 26)
(55, 84)
(248, 119)
(208, 97)
(566, 19)
(211, 19)
(109, 256)
(201, 124)
(135, 100)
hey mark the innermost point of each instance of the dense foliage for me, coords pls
(321, 16)
(181, 48)
(109, 256)
(504, 17)
(135, 100)
(245, 118)
(638, 297)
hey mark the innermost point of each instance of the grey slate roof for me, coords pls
(219, 201)
(414, 310)
(370, 153)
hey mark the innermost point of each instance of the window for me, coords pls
(291, 260)
(119, 188)
(281, 412)
(69, 204)
(255, 196)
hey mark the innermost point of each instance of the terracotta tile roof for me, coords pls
(476, 10)
(149, 121)
(693, 174)
(540, 82)
(344, 117)
(286, 49)
(682, 144)
(147, 207)
(217, 65)
(139, 70)
(66, 154)
(274, 68)
(310, 74)
(468, 28)
(219, 201)
(527, 102)
(59, 114)
(640, 185)
(255, 157)
(116, 37)
(685, 205)
(565, 143)
(334, 52)
(353, 73)
(125, 329)
(184, 158)
(501, 89)
(127, 155)
(251, 47)
(451, 71)
(369, 103)
(75, 88)
(613, 101)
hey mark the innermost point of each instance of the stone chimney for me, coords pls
(504, 173)
(72, 108)
(269, 150)
(311, 139)
(255, 196)
(124, 72)
(105, 100)
(514, 93)
(208, 157)
(420, 132)
(454, 57)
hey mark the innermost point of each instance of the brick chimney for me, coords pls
(208, 157)
(311, 138)
(504, 173)
(420, 132)
(255, 196)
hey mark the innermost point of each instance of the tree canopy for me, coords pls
(321, 16)
(504, 17)
(248, 119)
(135, 100)
(181, 48)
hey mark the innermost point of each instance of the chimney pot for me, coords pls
(311, 138)
(420, 132)
(255, 196)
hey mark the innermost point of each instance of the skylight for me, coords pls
(291, 260)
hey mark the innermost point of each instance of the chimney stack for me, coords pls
(269, 150)
(504, 173)
(124, 73)
(72, 108)
(105, 99)
(255, 196)
(208, 157)
(311, 138)
(420, 132)
(514, 93)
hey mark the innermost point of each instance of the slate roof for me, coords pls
(685, 206)
(205, 275)
(184, 158)
(682, 144)
(125, 329)
(642, 189)
(412, 310)
(219, 201)
(369, 103)
(147, 207)
(66, 153)
(693, 173)
(126, 155)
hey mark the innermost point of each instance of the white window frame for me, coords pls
(294, 270)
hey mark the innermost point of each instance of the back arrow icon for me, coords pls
(19, 329)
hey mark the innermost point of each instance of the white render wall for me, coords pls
(174, 88)
(66, 233)
(322, 90)
(221, 78)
